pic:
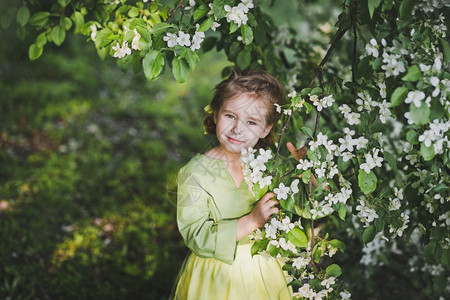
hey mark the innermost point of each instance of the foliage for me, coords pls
(377, 116)
(89, 156)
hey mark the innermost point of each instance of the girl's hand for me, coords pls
(264, 209)
(297, 154)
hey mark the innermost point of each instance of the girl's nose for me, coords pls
(237, 127)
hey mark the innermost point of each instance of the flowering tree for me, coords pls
(373, 104)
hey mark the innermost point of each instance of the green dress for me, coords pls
(208, 206)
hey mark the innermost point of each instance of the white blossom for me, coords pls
(171, 39)
(372, 48)
(281, 191)
(300, 262)
(93, 32)
(123, 51)
(353, 118)
(415, 97)
(135, 42)
(183, 39)
(236, 14)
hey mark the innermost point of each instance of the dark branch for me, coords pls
(173, 11)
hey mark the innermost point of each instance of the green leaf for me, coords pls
(308, 107)
(398, 96)
(39, 18)
(368, 234)
(372, 5)
(259, 192)
(201, 11)
(247, 34)
(180, 69)
(307, 131)
(218, 8)
(445, 50)
(377, 63)
(206, 24)
(255, 247)
(34, 52)
(367, 182)
(316, 253)
(233, 27)
(153, 64)
(65, 23)
(63, 3)
(104, 38)
(58, 35)
(379, 224)
(298, 237)
(430, 251)
(191, 57)
(413, 137)
(391, 160)
(133, 12)
(343, 165)
(333, 270)
(305, 91)
(316, 91)
(160, 28)
(406, 8)
(244, 58)
(273, 251)
(313, 154)
(427, 152)
(420, 115)
(439, 284)
(41, 40)
(413, 74)
(23, 16)
(337, 244)
(306, 176)
(78, 18)
(445, 257)
(342, 211)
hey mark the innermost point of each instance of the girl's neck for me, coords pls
(230, 159)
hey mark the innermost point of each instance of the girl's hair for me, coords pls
(265, 86)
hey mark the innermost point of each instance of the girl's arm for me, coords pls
(258, 217)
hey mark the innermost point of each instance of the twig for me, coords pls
(173, 11)
(328, 54)
(353, 17)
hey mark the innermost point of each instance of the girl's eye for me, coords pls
(251, 123)
(229, 116)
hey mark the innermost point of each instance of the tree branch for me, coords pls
(173, 11)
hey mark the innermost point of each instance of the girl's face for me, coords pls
(241, 122)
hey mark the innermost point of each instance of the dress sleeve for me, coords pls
(204, 236)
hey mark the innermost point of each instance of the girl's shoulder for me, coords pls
(199, 164)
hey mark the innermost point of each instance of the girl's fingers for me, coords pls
(268, 196)
(292, 150)
(274, 210)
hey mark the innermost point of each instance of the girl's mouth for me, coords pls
(233, 141)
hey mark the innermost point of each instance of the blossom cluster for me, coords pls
(238, 13)
(436, 135)
(366, 213)
(372, 160)
(326, 168)
(184, 39)
(323, 102)
(254, 165)
(124, 50)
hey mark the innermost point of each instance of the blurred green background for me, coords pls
(88, 159)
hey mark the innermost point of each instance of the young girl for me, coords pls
(216, 211)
